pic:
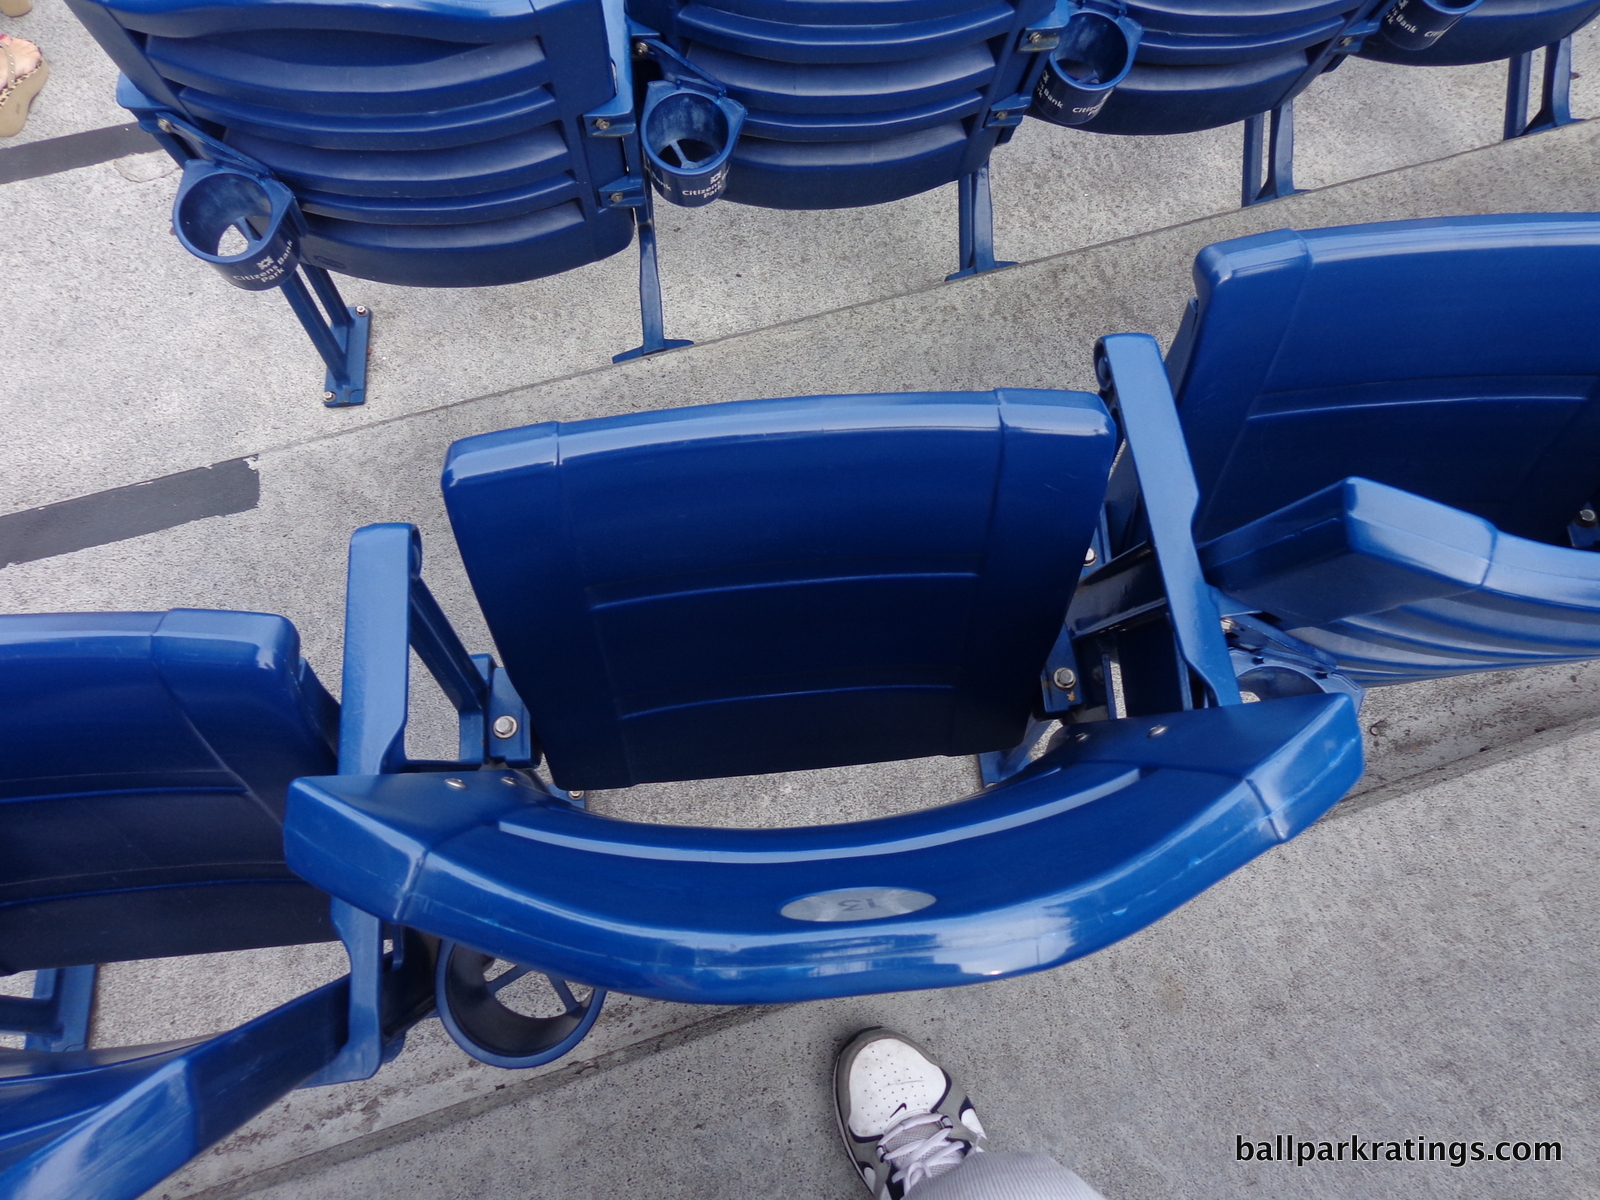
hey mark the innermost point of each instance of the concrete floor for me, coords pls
(1416, 966)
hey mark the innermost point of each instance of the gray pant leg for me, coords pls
(1005, 1177)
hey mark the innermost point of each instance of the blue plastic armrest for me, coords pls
(1134, 384)
(389, 612)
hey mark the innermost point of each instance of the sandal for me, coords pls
(18, 91)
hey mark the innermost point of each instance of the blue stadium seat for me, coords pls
(1394, 429)
(1448, 33)
(144, 759)
(789, 584)
(1490, 31)
(1207, 63)
(427, 144)
(857, 102)
(1203, 64)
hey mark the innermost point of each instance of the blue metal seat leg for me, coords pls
(1555, 107)
(342, 337)
(977, 226)
(650, 316)
(56, 1018)
(1269, 135)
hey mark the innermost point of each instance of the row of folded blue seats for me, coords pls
(451, 145)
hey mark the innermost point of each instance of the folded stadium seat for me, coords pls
(782, 585)
(855, 102)
(1202, 64)
(1206, 63)
(425, 144)
(1395, 431)
(144, 759)
(1436, 33)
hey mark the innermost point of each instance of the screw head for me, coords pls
(1064, 678)
(1090, 557)
(1586, 516)
(506, 726)
(578, 795)
(641, 48)
(1035, 37)
(166, 126)
(509, 779)
(327, 395)
(616, 197)
(602, 122)
(1001, 115)
(458, 784)
(361, 310)
(1156, 731)
(1229, 624)
(1081, 736)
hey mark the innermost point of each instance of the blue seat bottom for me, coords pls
(113, 1123)
(1156, 99)
(1497, 29)
(1200, 49)
(406, 132)
(447, 210)
(1115, 827)
(120, 925)
(482, 254)
(441, 174)
(1399, 588)
(816, 175)
(1250, 18)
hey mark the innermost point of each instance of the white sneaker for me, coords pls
(899, 1114)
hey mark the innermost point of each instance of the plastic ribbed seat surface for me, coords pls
(781, 584)
(1453, 361)
(854, 103)
(446, 115)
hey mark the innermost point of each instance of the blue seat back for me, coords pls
(144, 760)
(428, 144)
(855, 102)
(1457, 358)
(780, 585)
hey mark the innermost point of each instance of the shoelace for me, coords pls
(919, 1147)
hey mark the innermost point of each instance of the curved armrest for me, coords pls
(1094, 841)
